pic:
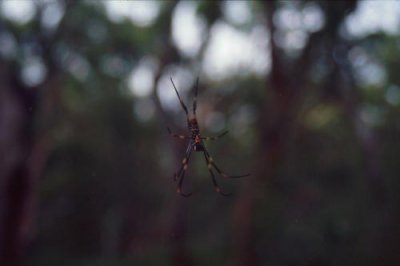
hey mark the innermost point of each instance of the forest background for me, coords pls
(310, 94)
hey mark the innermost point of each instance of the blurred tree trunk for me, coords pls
(274, 125)
(369, 142)
(177, 236)
(286, 84)
(176, 232)
(24, 149)
(341, 87)
(16, 142)
(23, 156)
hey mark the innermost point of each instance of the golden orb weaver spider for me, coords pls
(196, 144)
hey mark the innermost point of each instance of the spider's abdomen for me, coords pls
(198, 147)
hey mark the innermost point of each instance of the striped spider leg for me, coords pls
(196, 144)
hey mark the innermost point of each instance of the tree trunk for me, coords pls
(286, 86)
(16, 105)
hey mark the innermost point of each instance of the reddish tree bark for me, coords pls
(23, 155)
(16, 142)
(286, 86)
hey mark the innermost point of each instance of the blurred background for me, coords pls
(310, 94)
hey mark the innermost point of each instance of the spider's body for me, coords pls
(196, 144)
(196, 141)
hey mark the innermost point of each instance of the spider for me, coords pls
(196, 144)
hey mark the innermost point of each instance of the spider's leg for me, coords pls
(184, 161)
(180, 100)
(196, 88)
(176, 135)
(181, 173)
(211, 160)
(214, 138)
(179, 188)
(216, 187)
